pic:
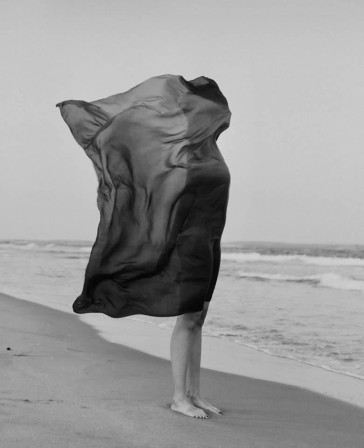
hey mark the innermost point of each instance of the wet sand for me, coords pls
(62, 385)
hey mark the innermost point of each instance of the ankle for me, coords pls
(179, 397)
(192, 393)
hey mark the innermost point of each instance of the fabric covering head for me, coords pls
(162, 195)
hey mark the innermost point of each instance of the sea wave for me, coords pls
(22, 246)
(328, 280)
(319, 258)
(236, 338)
(321, 261)
(45, 246)
(84, 249)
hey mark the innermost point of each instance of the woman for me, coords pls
(162, 195)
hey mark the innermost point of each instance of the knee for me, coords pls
(200, 320)
(193, 321)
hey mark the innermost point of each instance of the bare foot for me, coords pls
(186, 407)
(201, 403)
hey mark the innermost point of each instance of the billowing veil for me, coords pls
(162, 195)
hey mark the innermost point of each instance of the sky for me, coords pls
(291, 70)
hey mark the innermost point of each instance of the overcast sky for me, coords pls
(292, 71)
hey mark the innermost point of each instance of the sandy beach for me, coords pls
(62, 385)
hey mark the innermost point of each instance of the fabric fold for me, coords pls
(162, 195)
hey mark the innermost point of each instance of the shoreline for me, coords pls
(221, 355)
(64, 385)
(225, 356)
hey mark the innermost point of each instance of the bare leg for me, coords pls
(194, 362)
(182, 338)
(193, 389)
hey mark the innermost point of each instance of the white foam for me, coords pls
(328, 280)
(336, 281)
(85, 249)
(322, 261)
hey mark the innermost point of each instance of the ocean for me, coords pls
(299, 301)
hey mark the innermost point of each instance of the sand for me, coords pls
(62, 385)
(226, 356)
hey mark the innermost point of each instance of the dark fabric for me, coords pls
(162, 195)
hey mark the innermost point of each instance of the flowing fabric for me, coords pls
(162, 195)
